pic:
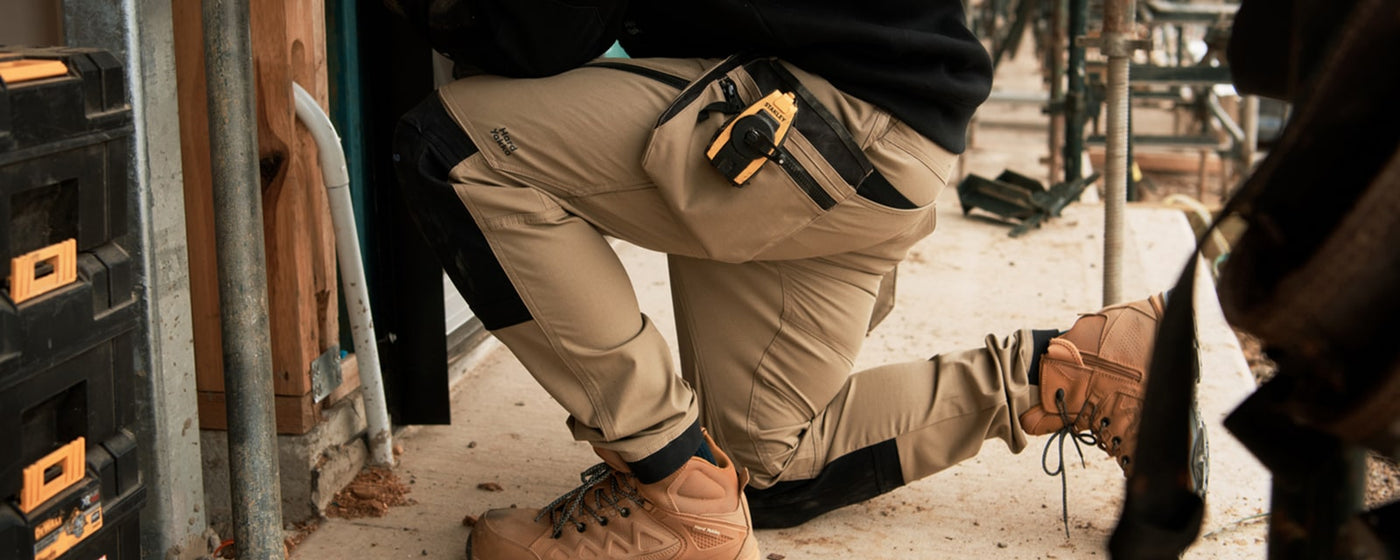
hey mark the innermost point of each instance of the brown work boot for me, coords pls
(1093, 376)
(699, 512)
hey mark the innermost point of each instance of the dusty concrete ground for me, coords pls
(966, 280)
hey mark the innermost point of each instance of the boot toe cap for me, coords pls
(505, 533)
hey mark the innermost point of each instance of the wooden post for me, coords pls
(288, 45)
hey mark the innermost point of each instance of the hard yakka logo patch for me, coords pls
(502, 138)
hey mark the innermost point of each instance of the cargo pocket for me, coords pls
(816, 167)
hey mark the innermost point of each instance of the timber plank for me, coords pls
(296, 415)
(288, 45)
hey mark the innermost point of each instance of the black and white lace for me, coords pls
(609, 489)
(1068, 430)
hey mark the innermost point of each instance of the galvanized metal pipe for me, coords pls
(1118, 20)
(1250, 121)
(1059, 22)
(238, 227)
(1076, 91)
(1222, 116)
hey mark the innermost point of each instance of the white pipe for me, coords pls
(352, 273)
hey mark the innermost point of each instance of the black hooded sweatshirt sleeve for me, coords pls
(913, 58)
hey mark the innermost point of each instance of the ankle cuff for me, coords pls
(670, 458)
(1040, 344)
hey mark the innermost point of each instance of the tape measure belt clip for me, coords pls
(753, 137)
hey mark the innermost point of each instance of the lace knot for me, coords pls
(1069, 430)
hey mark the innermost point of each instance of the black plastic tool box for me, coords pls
(68, 313)
(64, 140)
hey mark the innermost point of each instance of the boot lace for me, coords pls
(609, 489)
(1069, 431)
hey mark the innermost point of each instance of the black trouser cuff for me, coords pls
(669, 459)
(851, 478)
(1040, 343)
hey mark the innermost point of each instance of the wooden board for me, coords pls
(296, 415)
(288, 45)
(349, 381)
(1166, 162)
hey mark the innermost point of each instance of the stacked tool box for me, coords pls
(70, 486)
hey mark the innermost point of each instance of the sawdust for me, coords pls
(371, 494)
(1260, 364)
(299, 533)
(1382, 481)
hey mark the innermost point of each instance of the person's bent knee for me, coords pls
(428, 143)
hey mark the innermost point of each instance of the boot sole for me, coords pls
(748, 552)
(1200, 453)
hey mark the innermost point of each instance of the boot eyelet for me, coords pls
(581, 527)
(555, 535)
(603, 522)
(1059, 394)
(625, 512)
(1117, 442)
(1127, 460)
(1105, 422)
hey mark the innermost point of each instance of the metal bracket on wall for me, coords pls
(325, 373)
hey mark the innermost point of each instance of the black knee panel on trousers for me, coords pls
(851, 478)
(427, 145)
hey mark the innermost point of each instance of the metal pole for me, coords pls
(1118, 20)
(238, 223)
(1059, 23)
(1250, 121)
(1076, 91)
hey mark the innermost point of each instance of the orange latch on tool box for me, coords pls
(15, 71)
(62, 256)
(39, 485)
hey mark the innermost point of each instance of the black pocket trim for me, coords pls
(878, 189)
(829, 136)
(693, 91)
(668, 79)
(825, 131)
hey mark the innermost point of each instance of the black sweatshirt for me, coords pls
(913, 58)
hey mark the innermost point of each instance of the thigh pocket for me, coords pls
(817, 165)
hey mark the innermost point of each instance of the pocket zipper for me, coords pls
(804, 179)
(668, 79)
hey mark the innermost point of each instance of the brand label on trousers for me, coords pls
(503, 140)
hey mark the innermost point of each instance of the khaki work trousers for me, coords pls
(769, 321)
